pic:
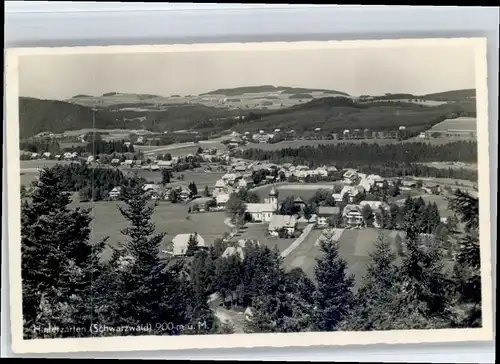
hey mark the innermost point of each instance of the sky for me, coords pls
(412, 69)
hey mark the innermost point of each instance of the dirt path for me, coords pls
(234, 318)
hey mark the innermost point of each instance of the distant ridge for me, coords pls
(269, 88)
(446, 96)
(454, 95)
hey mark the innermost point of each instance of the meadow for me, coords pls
(455, 165)
(354, 246)
(305, 191)
(463, 123)
(169, 218)
(201, 178)
(29, 168)
(258, 231)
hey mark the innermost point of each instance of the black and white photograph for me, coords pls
(307, 193)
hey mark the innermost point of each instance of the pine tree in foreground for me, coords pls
(60, 265)
(333, 297)
(376, 295)
(467, 269)
(424, 299)
(149, 291)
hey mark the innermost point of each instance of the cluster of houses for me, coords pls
(48, 155)
(157, 192)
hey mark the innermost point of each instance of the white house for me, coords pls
(350, 176)
(219, 187)
(261, 212)
(352, 216)
(230, 178)
(321, 171)
(150, 187)
(180, 243)
(115, 193)
(324, 213)
(278, 222)
(238, 248)
(221, 200)
(351, 191)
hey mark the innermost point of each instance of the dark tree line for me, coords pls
(426, 216)
(104, 147)
(364, 153)
(391, 159)
(40, 146)
(67, 283)
(92, 183)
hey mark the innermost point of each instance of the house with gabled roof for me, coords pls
(326, 212)
(278, 222)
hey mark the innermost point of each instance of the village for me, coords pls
(350, 199)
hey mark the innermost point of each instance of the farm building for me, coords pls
(180, 243)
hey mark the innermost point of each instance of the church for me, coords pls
(263, 212)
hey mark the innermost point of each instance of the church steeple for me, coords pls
(273, 197)
(273, 192)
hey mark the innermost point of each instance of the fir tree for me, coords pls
(60, 265)
(151, 291)
(424, 294)
(165, 176)
(467, 269)
(333, 296)
(192, 245)
(193, 188)
(377, 293)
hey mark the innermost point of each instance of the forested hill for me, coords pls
(338, 113)
(331, 114)
(269, 88)
(447, 96)
(54, 116)
(456, 95)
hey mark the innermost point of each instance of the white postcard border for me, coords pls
(478, 45)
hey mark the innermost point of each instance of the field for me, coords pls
(258, 231)
(463, 124)
(29, 169)
(201, 179)
(179, 149)
(453, 165)
(441, 202)
(305, 191)
(170, 218)
(354, 246)
(240, 98)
